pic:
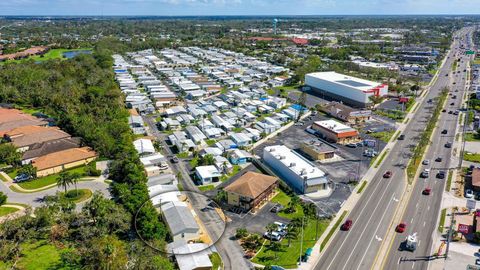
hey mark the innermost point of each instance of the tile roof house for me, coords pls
(44, 148)
(25, 137)
(61, 160)
(13, 118)
(251, 190)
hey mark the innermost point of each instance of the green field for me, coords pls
(51, 54)
(473, 157)
(206, 188)
(471, 137)
(5, 210)
(216, 261)
(383, 135)
(288, 256)
(283, 199)
(48, 180)
(38, 255)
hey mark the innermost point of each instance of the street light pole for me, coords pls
(301, 244)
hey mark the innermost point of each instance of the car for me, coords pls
(401, 227)
(477, 196)
(280, 225)
(455, 113)
(21, 178)
(401, 137)
(425, 173)
(276, 208)
(454, 83)
(468, 193)
(454, 97)
(444, 110)
(426, 162)
(274, 236)
(444, 131)
(441, 174)
(387, 174)
(427, 191)
(452, 104)
(438, 159)
(359, 144)
(450, 112)
(448, 145)
(347, 225)
(174, 159)
(351, 145)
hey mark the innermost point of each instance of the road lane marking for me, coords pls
(376, 229)
(411, 221)
(424, 223)
(361, 211)
(413, 265)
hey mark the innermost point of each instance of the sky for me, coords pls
(237, 7)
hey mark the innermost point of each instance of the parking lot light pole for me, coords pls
(301, 244)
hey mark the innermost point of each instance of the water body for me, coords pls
(71, 54)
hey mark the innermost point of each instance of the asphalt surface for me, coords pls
(422, 213)
(372, 215)
(231, 253)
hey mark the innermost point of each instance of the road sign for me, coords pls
(471, 204)
(464, 228)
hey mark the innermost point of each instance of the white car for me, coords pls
(426, 162)
(468, 193)
(274, 236)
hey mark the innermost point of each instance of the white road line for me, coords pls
(361, 211)
(411, 221)
(428, 207)
(413, 265)
(424, 223)
(370, 242)
(419, 241)
(399, 260)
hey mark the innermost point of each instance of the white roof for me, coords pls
(194, 256)
(144, 146)
(208, 171)
(334, 126)
(349, 81)
(294, 162)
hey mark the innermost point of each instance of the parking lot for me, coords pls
(352, 166)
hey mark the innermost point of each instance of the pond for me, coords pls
(71, 54)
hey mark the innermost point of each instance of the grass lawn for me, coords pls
(206, 188)
(210, 142)
(5, 210)
(13, 173)
(48, 180)
(79, 195)
(471, 137)
(216, 261)
(182, 155)
(288, 256)
(235, 170)
(473, 157)
(383, 135)
(38, 255)
(442, 220)
(51, 54)
(449, 181)
(283, 199)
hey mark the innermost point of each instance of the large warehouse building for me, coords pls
(350, 90)
(299, 173)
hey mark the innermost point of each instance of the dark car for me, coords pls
(441, 175)
(174, 159)
(444, 131)
(351, 145)
(387, 174)
(401, 137)
(21, 178)
(452, 104)
(347, 225)
(444, 110)
(427, 191)
(448, 145)
(438, 159)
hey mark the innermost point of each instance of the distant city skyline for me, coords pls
(237, 7)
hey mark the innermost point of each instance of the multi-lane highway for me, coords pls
(373, 213)
(421, 215)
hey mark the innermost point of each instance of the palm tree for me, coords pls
(224, 167)
(64, 180)
(275, 247)
(75, 177)
(271, 227)
(292, 234)
(208, 160)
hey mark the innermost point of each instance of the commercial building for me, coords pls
(251, 190)
(334, 131)
(350, 90)
(299, 173)
(318, 150)
(346, 113)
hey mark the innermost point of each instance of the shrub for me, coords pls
(3, 198)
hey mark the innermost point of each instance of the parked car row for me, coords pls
(278, 234)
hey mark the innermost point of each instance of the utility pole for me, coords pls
(450, 232)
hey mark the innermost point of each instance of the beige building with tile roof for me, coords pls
(251, 190)
(62, 160)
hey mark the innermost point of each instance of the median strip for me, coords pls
(381, 158)
(364, 183)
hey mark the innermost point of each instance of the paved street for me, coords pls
(372, 215)
(422, 211)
